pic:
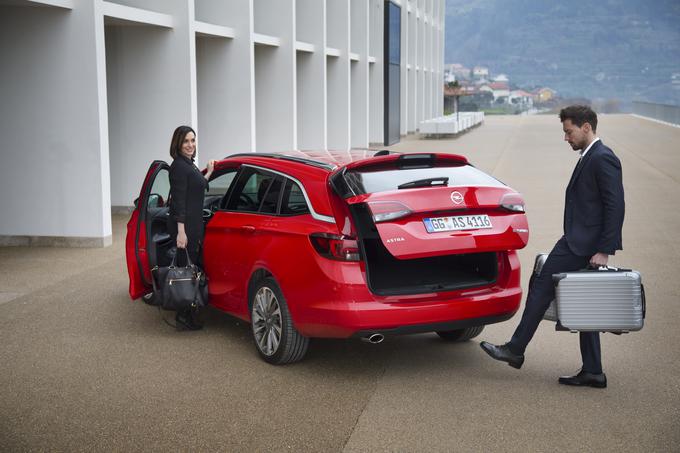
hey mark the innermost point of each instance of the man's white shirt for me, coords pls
(583, 153)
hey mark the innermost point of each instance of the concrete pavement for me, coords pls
(84, 368)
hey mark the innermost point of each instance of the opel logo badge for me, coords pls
(456, 197)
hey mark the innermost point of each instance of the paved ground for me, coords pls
(84, 368)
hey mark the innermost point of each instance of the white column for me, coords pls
(427, 72)
(54, 171)
(310, 29)
(151, 87)
(338, 73)
(376, 71)
(412, 62)
(359, 23)
(405, 34)
(225, 78)
(275, 75)
(442, 37)
(421, 60)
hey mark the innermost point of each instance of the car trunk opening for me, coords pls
(388, 275)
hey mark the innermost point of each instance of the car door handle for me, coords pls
(248, 229)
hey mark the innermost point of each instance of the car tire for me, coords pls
(276, 339)
(461, 334)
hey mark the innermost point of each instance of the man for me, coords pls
(593, 218)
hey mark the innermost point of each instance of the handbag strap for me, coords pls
(173, 263)
(197, 291)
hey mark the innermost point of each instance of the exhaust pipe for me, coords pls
(374, 338)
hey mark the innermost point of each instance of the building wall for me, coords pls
(95, 89)
(54, 176)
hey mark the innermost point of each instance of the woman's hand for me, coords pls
(211, 168)
(181, 237)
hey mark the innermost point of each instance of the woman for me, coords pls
(187, 192)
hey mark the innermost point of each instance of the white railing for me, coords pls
(669, 114)
(451, 124)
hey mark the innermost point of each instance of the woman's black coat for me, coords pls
(187, 192)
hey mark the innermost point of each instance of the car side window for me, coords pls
(219, 185)
(160, 190)
(268, 195)
(251, 192)
(293, 201)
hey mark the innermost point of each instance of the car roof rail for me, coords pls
(302, 160)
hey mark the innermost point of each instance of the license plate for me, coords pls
(457, 223)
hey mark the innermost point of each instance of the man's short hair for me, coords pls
(579, 115)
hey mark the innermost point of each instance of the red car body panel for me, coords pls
(139, 270)
(331, 298)
(510, 230)
(137, 287)
(348, 307)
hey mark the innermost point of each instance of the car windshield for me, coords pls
(362, 181)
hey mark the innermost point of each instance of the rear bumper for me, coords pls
(437, 327)
(338, 304)
(336, 319)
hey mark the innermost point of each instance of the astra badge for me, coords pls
(391, 240)
(456, 197)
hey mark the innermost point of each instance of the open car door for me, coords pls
(147, 237)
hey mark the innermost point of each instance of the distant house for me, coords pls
(463, 73)
(484, 87)
(500, 90)
(459, 71)
(543, 94)
(480, 72)
(521, 98)
(501, 78)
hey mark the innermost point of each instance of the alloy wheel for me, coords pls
(267, 322)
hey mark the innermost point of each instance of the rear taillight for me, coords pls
(384, 211)
(334, 247)
(512, 202)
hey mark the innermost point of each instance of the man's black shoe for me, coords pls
(585, 379)
(503, 354)
(185, 321)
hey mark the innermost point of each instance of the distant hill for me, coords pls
(625, 49)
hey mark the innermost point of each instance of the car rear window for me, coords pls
(293, 202)
(362, 181)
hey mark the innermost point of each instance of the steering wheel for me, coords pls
(247, 199)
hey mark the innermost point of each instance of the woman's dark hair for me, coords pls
(579, 115)
(177, 140)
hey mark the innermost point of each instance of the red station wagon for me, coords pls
(341, 245)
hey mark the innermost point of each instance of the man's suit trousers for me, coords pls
(541, 293)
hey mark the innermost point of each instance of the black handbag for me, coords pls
(180, 288)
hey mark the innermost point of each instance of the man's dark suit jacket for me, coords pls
(594, 206)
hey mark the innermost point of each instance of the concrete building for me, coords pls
(92, 90)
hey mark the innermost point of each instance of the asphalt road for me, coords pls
(84, 368)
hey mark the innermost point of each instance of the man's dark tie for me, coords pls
(573, 174)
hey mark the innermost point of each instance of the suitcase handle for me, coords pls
(644, 301)
(590, 268)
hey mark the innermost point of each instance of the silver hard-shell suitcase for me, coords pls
(551, 312)
(601, 300)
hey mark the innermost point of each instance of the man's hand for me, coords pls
(599, 259)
